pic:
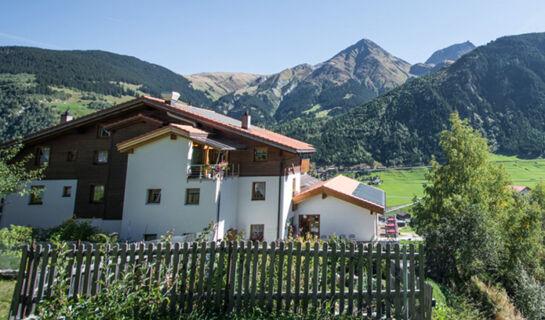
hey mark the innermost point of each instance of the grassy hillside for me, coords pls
(401, 186)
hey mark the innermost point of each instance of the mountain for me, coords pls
(353, 76)
(441, 58)
(499, 88)
(218, 84)
(37, 84)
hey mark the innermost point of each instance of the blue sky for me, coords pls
(261, 36)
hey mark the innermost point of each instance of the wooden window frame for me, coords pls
(149, 236)
(92, 195)
(187, 191)
(150, 199)
(66, 194)
(96, 158)
(256, 149)
(252, 226)
(33, 199)
(254, 198)
(38, 156)
(306, 216)
(100, 130)
(72, 155)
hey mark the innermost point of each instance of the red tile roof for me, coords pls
(199, 114)
(340, 187)
(518, 189)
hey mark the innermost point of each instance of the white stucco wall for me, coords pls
(287, 196)
(163, 165)
(340, 217)
(258, 211)
(52, 212)
(228, 205)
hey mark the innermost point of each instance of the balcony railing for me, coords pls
(212, 171)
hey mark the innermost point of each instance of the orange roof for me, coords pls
(346, 189)
(209, 117)
(518, 189)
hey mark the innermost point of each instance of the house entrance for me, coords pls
(309, 224)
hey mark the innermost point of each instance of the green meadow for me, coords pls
(401, 186)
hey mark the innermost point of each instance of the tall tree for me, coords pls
(14, 174)
(460, 214)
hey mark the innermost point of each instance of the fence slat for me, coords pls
(183, 278)
(240, 273)
(422, 280)
(342, 279)
(388, 299)
(297, 276)
(232, 267)
(333, 274)
(202, 268)
(87, 270)
(306, 282)
(280, 272)
(175, 276)
(246, 276)
(210, 276)
(289, 275)
(397, 298)
(351, 279)
(412, 301)
(255, 257)
(324, 270)
(379, 281)
(96, 269)
(263, 276)
(192, 272)
(158, 260)
(315, 276)
(369, 270)
(271, 276)
(14, 311)
(43, 270)
(219, 277)
(360, 278)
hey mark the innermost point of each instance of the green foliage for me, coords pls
(73, 230)
(14, 236)
(14, 175)
(530, 296)
(460, 211)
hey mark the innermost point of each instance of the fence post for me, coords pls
(422, 281)
(405, 280)
(18, 285)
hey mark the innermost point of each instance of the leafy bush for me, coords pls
(530, 296)
(73, 230)
(15, 236)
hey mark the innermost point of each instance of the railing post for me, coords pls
(422, 281)
(405, 280)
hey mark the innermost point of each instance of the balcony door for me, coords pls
(309, 224)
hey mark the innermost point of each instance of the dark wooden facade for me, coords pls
(85, 141)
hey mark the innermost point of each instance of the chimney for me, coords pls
(170, 96)
(65, 117)
(246, 120)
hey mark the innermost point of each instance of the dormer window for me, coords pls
(103, 132)
(261, 154)
(42, 155)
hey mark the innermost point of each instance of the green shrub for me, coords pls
(529, 296)
(15, 236)
(72, 230)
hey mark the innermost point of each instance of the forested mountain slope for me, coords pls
(499, 87)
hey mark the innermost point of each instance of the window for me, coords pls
(97, 193)
(256, 232)
(67, 191)
(192, 196)
(72, 155)
(150, 236)
(103, 132)
(37, 194)
(309, 224)
(260, 154)
(258, 191)
(154, 195)
(43, 155)
(101, 156)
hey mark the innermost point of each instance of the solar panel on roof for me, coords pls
(211, 114)
(371, 194)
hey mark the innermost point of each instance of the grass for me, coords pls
(401, 186)
(6, 293)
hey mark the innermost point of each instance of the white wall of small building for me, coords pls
(287, 196)
(163, 165)
(339, 217)
(52, 212)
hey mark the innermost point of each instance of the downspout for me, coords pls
(279, 220)
(216, 233)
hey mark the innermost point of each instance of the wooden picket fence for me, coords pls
(374, 281)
